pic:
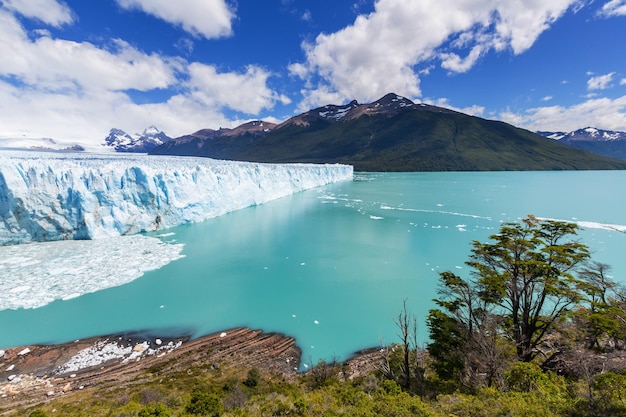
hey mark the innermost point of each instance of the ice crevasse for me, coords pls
(50, 196)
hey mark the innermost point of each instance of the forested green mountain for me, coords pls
(390, 134)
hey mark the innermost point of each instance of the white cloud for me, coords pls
(603, 113)
(207, 18)
(380, 52)
(246, 92)
(58, 65)
(51, 12)
(600, 82)
(546, 98)
(613, 8)
(473, 110)
(455, 63)
(78, 91)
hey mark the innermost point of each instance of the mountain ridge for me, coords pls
(144, 142)
(393, 134)
(610, 143)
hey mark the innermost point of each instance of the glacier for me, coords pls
(46, 196)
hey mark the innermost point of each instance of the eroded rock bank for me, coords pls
(33, 374)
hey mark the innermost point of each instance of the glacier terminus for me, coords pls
(46, 196)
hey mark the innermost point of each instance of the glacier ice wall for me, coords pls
(48, 196)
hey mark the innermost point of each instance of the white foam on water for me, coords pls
(67, 269)
(449, 213)
(591, 225)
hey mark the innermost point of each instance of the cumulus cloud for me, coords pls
(51, 12)
(246, 92)
(79, 90)
(206, 18)
(603, 113)
(613, 8)
(57, 65)
(382, 51)
(474, 110)
(600, 82)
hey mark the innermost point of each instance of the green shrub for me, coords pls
(203, 404)
(154, 410)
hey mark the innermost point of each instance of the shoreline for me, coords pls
(40, 373)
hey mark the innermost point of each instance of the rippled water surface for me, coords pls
(330, 266)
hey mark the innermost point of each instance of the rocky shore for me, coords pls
(31, 375)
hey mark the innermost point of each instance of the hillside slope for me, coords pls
(394, 134)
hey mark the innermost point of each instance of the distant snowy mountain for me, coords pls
(602, 142)
(141, 143)
(42, 144)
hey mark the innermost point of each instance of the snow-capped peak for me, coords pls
(141, 143)
(592, 134)
(587, 134)
(151, 130)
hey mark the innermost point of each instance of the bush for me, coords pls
(203, 404)
(154, 410)
(254, 376)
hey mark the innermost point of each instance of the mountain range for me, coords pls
(143, 142)
(389, 134)
(602, 142)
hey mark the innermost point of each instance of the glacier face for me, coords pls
(47, 196)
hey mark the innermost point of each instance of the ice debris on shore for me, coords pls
(104, 351)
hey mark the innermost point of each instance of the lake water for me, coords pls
(332, 266)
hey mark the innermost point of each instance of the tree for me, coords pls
(601, 314)
(465, 335)
(528, 275)
(403, 321)
(521, 285)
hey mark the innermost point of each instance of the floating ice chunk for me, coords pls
(375, 217)
(316, 322)
(19, 289)
(110, 264)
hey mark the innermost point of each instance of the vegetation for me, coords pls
(413, 139)
(530, 333)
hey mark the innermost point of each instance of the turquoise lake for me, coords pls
(332, 266)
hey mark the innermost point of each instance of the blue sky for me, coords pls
(74, 69)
